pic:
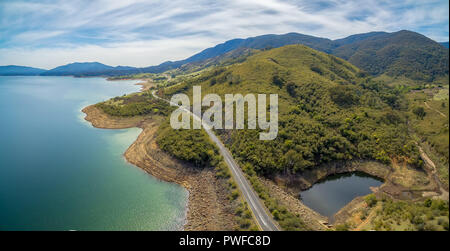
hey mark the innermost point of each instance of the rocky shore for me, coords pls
(208, 207)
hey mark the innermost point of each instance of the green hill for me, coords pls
(329, 111)
(402, 53)
(398, 54)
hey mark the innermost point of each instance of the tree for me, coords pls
(344, 95)
(419, 112)
(278, 81)
(317, 70)
(290, 87)
(371, 200)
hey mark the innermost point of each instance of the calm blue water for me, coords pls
(328, 196)
(57, 172)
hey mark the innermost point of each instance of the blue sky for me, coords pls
(141, 33)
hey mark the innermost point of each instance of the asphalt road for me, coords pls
(262, 215)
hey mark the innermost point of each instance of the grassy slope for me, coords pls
(432, 130)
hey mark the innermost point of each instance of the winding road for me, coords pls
(262, 216)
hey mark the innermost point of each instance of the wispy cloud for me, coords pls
(142, 33)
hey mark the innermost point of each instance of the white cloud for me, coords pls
(139, 54)
(142, 33)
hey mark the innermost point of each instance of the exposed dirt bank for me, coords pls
(311, 218)
(209, 207)
(145, 84)
(400, 182)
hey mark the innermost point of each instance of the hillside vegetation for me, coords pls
(402, 53)
(398, 54)
(429, 115)
(134, 105)
(386, 214)
(329, 111)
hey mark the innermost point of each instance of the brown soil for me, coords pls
(146, 85)
(401, 182)
(209, 207)
(352, 214)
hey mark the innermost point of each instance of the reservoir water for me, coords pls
(57, 172)
(328, 196)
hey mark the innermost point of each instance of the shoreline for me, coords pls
(145, 84)
(206, 208)
(400, 181)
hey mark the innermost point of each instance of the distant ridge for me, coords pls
(90, 69)
(402, 53)
(16, 70)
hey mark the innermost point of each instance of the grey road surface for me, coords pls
(262, 215)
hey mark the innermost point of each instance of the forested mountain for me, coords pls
(259, 42)
(356, 38)
(329, 111)
(14, 70)
(228, 58)
(402, 53)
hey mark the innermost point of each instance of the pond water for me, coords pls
(328, 196)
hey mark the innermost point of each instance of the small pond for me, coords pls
(329, 195)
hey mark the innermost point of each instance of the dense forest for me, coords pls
(403, 53)
(329, 111)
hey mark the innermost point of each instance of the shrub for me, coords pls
(371, 200)
(419, 112)
(278, 81)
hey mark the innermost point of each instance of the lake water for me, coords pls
(328, 196)
(57, 172)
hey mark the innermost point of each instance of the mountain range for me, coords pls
(15, 70)
(402, 53)
(90, 69)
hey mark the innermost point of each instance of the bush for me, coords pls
(371, 200)
(278, 81)
(343, 227)
(419, 112)
(291, 89)
(317, 70)
(344, 95)
(234, 195)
